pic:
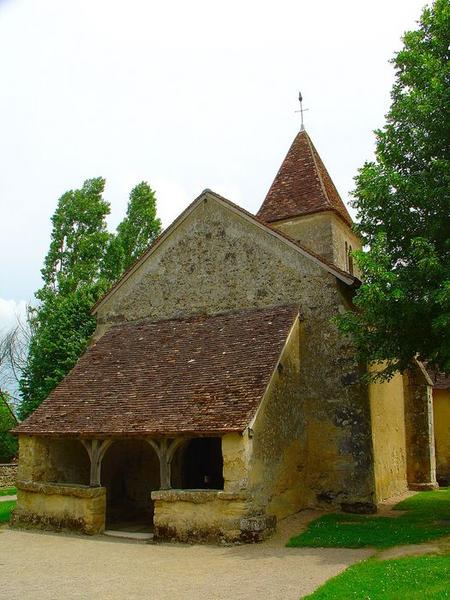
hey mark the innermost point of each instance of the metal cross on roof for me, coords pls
(302, 110)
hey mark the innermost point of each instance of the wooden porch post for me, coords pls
(165, 449)
(96, 450)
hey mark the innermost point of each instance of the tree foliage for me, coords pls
(403, 206)
(135, 233)
(83, 261)
(8, 443)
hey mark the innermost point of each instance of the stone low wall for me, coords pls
(56, 507)
(8, 475)
(208, 516)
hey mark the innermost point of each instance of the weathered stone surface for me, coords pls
(57, 489)
(58, 507)
(62, 460)
(419, 427)
(324, 233)
(197, 496)
(8, 475)
(208, 516)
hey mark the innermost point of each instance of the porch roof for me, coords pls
(199, 375)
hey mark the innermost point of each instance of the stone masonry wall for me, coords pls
(8, 475)
(215, 260)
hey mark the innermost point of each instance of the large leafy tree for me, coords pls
(72, 282)
(403, 204)
(82, 262)
(8, 443)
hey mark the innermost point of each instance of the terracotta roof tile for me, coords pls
(441, 381)
(302, 186)
(196, 375)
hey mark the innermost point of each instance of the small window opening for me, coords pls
(350, 260)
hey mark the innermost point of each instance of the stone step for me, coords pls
(129, 535)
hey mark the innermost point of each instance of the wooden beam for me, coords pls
(165, 449)
(96, 450)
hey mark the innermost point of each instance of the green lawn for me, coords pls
(427, 517)
(413, 578)
(10, 491)
(5, 510)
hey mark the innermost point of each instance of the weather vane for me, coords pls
(302, 110)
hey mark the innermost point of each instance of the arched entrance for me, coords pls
(130, 472)
(198, 464)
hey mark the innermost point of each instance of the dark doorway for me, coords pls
(130, 472)
(201, 464)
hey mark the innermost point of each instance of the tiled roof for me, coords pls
(441, 381)
(196, 375)
(302, 186)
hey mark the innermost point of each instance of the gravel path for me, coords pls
(47, 566)
(7, 498)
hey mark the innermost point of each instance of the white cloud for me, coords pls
(10, 312)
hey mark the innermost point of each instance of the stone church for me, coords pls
(217, 395)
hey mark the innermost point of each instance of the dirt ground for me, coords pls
(45, 566)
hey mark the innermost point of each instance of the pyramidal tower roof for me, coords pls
(302, 186)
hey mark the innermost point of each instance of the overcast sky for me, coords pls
(185, 95)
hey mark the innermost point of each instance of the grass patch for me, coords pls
(412, 578)
(5, 510)
(427, 517)
(436, 501)
(10, 491)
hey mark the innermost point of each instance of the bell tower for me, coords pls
(304, 203)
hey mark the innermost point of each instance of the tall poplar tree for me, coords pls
(403, 204)
(72, 282)
(135, 233)
(83, 261)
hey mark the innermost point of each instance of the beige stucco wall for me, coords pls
(324, 233)
(53, 506)
(214, 261)
(277, 455)
(441, 410)
(388, 435)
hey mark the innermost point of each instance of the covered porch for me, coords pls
(110, 483)
(152, 428)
